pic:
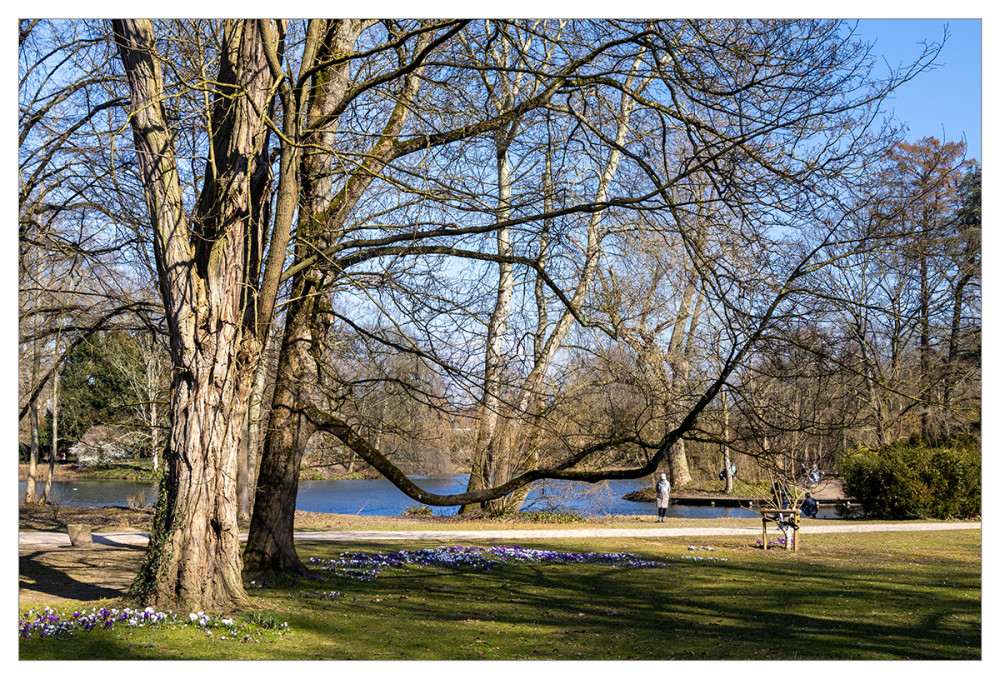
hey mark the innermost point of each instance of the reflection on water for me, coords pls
(99, 493)
(378, 497)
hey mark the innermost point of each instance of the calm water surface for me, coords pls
(378, 497)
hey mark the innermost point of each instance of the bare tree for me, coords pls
(925, 180)
(347, 262)
(895, 301)
(322, 217)
(74, 268)
(504, 440)
(744, 306)
(218, 300)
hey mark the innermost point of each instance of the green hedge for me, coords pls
(912, 480)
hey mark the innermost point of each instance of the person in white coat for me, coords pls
(662, 497)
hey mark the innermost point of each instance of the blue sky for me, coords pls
(945, 102)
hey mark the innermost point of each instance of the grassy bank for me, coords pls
(844, 596)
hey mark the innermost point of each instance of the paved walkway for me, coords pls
(40, 539)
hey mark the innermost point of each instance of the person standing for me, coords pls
(662, 497)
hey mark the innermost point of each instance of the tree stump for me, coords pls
(79, 534)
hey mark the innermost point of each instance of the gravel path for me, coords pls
(36, 539)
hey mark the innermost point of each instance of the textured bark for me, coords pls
(679, 469)
(193, 559)
(270, 547)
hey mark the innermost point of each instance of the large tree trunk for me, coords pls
(206, 280)
(270, 546)
(680, 472)
(193, 559)
(256, 418)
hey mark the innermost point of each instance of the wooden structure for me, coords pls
(782, 517)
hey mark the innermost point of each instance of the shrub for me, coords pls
(310, 474)
(911, 480)
(418, 510)
(536, 517)
(955, 479)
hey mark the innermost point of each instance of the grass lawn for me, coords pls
(844, 596)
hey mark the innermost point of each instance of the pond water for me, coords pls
(378, 497)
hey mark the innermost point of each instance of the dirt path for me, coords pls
(42, 540)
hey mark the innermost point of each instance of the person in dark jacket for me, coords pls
(809, 507)
(662, 497)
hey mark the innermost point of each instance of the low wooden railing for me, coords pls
(778, 516)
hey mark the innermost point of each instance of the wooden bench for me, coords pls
(778, 516)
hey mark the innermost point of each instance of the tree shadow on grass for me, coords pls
(80, 575)
(735, 611)
(97, 649)
(754, 609)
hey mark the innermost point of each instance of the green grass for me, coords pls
(844, 596)
(132, 470)
(350, 476)
(741, 487)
